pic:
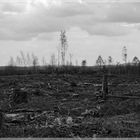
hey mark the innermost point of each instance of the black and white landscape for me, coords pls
(69, 69)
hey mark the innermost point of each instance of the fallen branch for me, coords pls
(25, 111)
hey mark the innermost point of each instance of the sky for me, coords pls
(93, 28)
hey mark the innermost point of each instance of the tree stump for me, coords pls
(19, 96)
(105, 87)
(1, 119)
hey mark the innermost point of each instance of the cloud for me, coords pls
(108, 29)
(124, 12)
(39, 20)
(36, 20)
(46, 36)
(70, 10)
(9, 7)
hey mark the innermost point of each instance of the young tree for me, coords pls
(84, 63)
(35, 60)
(11, 62)
(68, 63)
(71, 55)
(110, 60)
(18, 61)
(135, 60)
(53, 60)
(76, 62)
(58, 55)
(23, 58)
(44, 61)
(29, 60)
(117, 63)
(99, 61)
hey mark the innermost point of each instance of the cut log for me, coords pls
(123, 97)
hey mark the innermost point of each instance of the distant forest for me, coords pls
(127, 69)
(26, 64)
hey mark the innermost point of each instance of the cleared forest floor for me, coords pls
(70, 106)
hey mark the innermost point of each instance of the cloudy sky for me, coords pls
(93, 27)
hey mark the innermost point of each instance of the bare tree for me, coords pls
(25, 59)
(53, 60)
(124, 54)
(64, 47)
